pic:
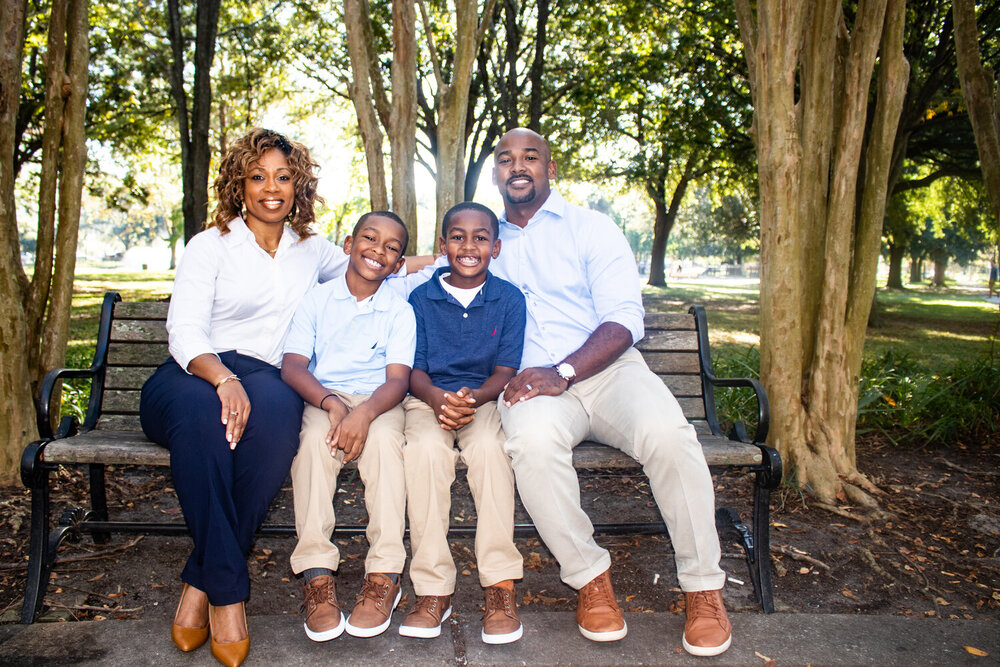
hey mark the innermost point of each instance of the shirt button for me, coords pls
(465, 314)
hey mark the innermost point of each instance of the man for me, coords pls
(580, 379)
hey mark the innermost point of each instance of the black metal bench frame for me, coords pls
(723, 451)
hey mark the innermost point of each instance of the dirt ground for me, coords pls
(938, 553)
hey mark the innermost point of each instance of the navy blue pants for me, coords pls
(224, 494)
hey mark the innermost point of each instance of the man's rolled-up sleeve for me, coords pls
(614, 279)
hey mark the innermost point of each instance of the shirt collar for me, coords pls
(381, 300)
(436, 292)
(240, 233)
(554, 205)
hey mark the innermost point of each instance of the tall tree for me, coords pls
(194, 116)
(34, 313)
(982, 95)
(823, 167)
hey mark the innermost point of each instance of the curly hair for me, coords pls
(235, 168)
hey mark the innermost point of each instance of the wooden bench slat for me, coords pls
(127, 377)
(145, 331)
(131, 448)
(669, 340)
(673, 362)
(137, 354)
(141, 310)
(669, 321)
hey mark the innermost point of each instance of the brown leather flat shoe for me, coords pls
(231, 654)
(187, 639)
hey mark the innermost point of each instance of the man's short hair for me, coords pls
(384, 214)
(471, 206)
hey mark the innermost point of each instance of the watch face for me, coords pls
(566, 371)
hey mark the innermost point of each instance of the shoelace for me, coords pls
(373, 591)
(704, 605)
(318, 594)
(598, 595)
(498, 599)
(428, 603)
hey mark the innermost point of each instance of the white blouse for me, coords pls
(229, 294)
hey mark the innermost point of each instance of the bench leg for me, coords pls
(760, 566)
(98, 501)
(39, 565)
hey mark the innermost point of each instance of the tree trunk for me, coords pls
(666, 216)
(982, 97)
(895, 280)
(916, 271)
(74, 163)
(940, 266)
(55, 76)
(452, 101)
(17, 419)
(403, 117)
(193, 127)
(538, 68)
(823, 163)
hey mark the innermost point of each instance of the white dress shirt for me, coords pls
(229, 294)
(576, 271)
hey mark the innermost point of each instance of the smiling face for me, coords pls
(268, 190)
(469, 244)
(523, 168)
(376, 250)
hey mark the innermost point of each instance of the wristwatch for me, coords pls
(566, 372)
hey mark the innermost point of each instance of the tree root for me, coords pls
(966, 471)
(868, 557)
(833, 509)
(805, 558)
(75, 559)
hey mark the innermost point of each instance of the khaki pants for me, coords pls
(314, 482)
(628, 407)
(429, 465)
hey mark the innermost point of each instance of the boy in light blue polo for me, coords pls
(348, 353)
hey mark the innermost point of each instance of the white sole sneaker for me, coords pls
(503, 639)
(424, 633)
(355, 631)
(326, 635)
(609, 636)
(703, 651)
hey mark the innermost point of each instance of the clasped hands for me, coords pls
(348, 428)
(455, 409)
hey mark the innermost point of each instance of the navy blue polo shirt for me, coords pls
(458, 347)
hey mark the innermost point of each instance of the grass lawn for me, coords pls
(935, 327)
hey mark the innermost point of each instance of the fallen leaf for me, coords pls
(96, 577)
(848, 593)
(804, 570)
(975, 651)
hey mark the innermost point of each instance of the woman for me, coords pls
(219, 404)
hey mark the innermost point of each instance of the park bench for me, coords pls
(132, 342)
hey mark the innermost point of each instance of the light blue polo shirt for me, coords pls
(348, 343)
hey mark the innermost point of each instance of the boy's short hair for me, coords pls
(384, 214)
(471, 206)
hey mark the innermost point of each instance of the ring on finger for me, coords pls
(528, 387)
(234, 413)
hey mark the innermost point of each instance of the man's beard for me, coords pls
(519, 199)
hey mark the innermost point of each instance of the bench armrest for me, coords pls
(763, 407)
(95, 374)
(709, 381)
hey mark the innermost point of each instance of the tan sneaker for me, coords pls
(597, 612)
(425, 619)
(374, 605)
(324, 621)
(707, 630)
(501, 624)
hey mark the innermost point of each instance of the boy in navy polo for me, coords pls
(470, 332)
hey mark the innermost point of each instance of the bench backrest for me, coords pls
(138, 344)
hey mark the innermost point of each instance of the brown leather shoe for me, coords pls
(324, 621)
(707, 630)
(188, 639)
(501, 624)
(597, 612)
(231, 654)
(425, 619)
(374, 605)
